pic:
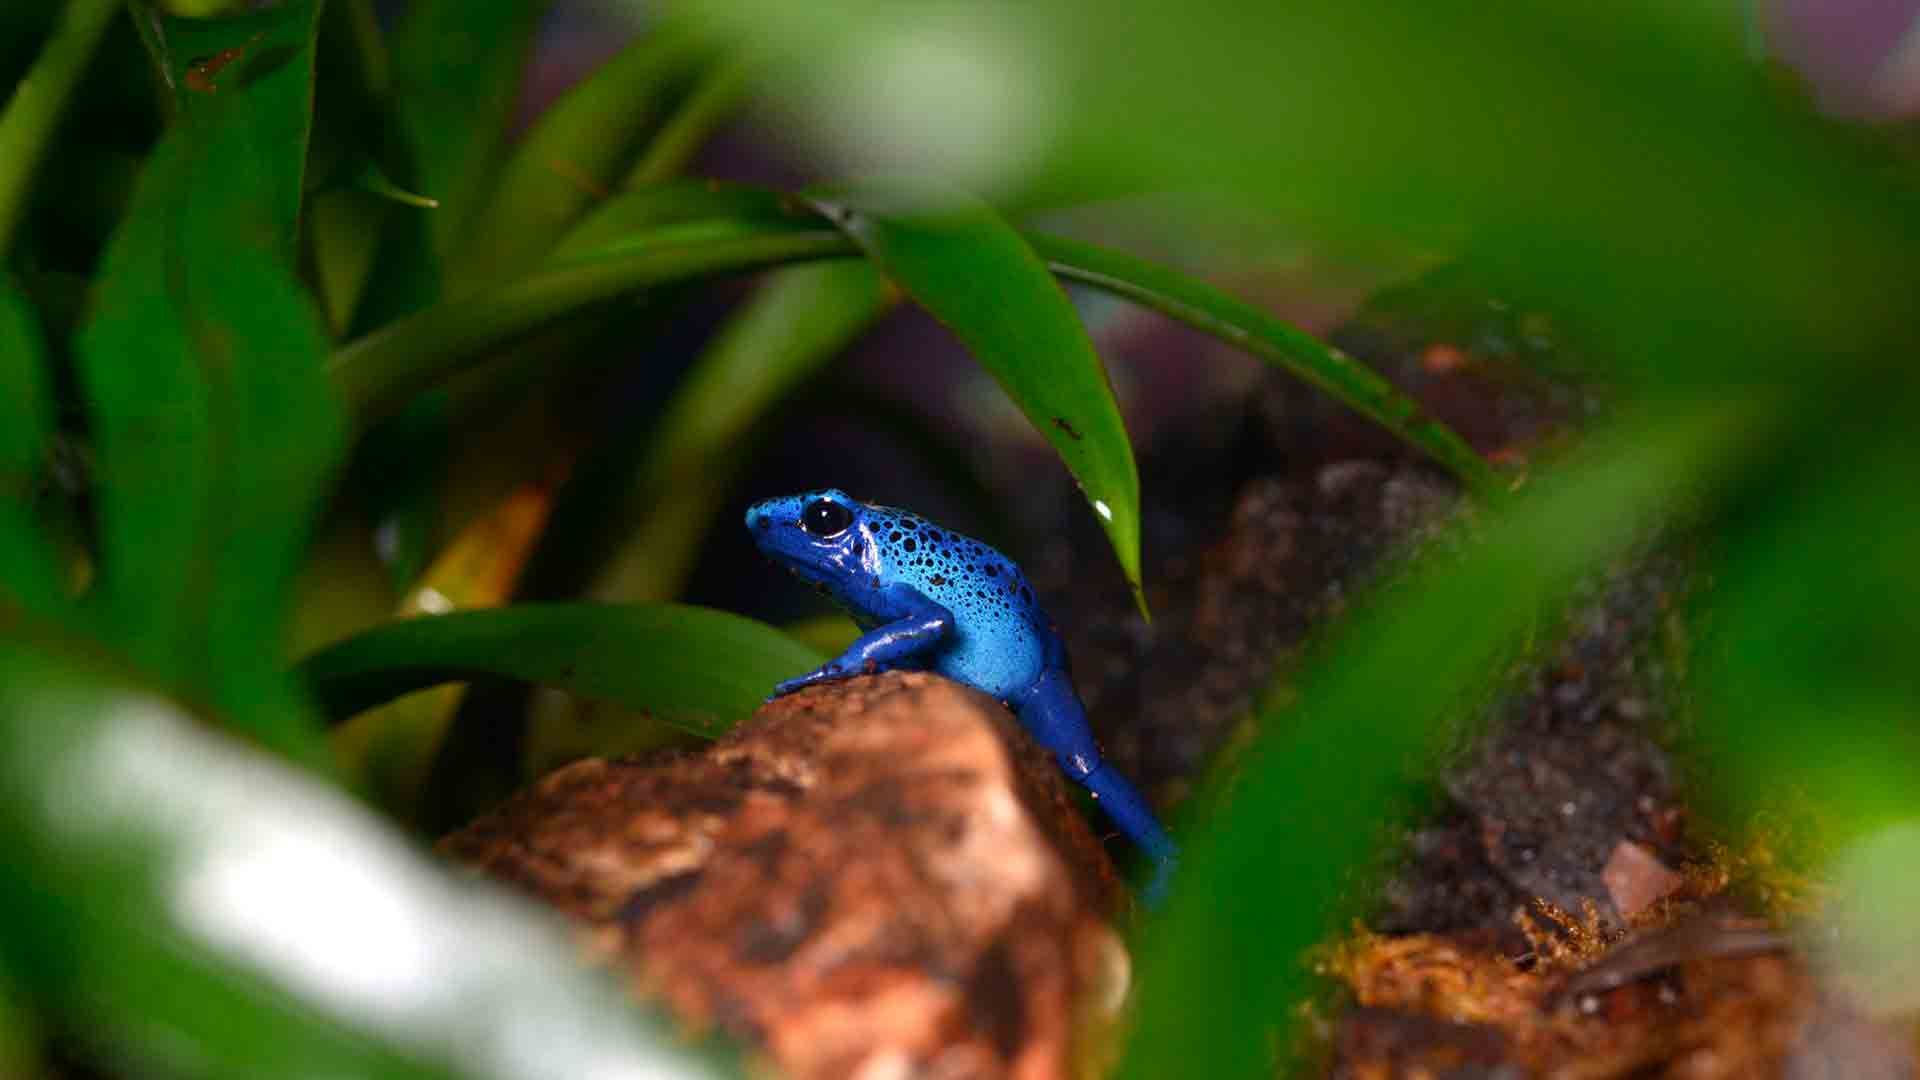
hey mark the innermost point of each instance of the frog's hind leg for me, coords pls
(1052, 712)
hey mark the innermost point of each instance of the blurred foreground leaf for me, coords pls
(202, 364)
(1263, 880)
(190, 908)
(694, 668)
(971, 270)
(1807, 686)
(1625, 165)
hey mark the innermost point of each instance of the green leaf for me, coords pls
(185, 907)
(264, 62)
(1211, 311)
(457, 66)
(797, 322)
(29, 574)
(1806, 690)
(32, 114)
(700, 208)
(202, 366)
(574, 155)
(380, 372)
(971, 270)
(694, 668)
(1264, 877)
(718, 94)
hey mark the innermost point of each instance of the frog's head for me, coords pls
(820, 535)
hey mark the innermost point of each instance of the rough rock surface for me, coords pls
(883, 876)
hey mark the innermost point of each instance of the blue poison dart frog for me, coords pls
(929, 598)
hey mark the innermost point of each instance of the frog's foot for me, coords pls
(826, 673)
(1154, 893)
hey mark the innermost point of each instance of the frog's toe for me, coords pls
(1155, 892)
(825, 674)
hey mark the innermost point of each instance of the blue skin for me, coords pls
(931, 599)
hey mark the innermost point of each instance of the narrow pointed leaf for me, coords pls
(639, 218)
(368, 177)
(694, 668)
(1207, 309)
(962, 262)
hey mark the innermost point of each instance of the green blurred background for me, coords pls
(319, 316)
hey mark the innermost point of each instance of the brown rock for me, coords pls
(1636, 879)
(882, 874)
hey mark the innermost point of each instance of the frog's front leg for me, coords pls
(915, 625)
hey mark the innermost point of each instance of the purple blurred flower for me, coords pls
(1861, 58)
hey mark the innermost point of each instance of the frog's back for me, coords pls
(1002, 637)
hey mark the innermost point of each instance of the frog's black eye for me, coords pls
(825, 519)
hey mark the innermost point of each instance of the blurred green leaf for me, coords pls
(574, 155)
(1209, 310)
(697, 669)
(214, 425)
(29, 574)
(189, 908)
(1264, 877)
(19, 1032)
(28, 123)
(380, 372)
(265, 59)
(1806, 686)
(720, 91)
(1623, 165)
(457, 66)
(971, 270)
(792, 326)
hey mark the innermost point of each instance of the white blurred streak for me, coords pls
(281, 876)
(1869, 939)
(958, 91)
